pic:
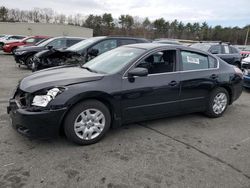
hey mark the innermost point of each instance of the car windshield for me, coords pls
(201, 46)
(114, 60)
(83, 44)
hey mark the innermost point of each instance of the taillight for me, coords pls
(238, 71)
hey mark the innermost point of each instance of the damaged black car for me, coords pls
(81, 52)
(24, 55)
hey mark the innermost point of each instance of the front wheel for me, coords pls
(218, 102)
(28, 61)
(87, 122)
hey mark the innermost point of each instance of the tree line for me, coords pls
(128, 25)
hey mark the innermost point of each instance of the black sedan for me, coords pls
(225, 51)
(24, 55)
(128, 84)
(80, 52)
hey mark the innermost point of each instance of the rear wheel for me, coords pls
(87, 122)
(218, 102)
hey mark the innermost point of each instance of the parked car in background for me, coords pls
(128, 84)
(245, 65)
(80, 52)
(24, 55)
(10, 47)
(225, 51)
(167, 41)
(10, 38)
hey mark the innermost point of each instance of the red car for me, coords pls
(11, 46)
(245, 54)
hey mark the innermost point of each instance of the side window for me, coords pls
(212, 62)
(127, 41)
(58, 43)
(160, 62)
(105, 46)
(30, 40)
(194, 61)
(226, 49)
(234, 50)
(38, 40)
(71, 42)
(216, 49)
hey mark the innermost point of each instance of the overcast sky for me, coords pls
(222, 12)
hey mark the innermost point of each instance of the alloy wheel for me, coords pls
(220, 103)
(89, 124)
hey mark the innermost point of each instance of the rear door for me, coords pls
(198, 76)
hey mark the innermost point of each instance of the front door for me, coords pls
(156, 94)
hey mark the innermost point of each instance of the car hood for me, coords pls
(59, 76)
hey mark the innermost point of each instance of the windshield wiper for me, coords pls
(89, 69)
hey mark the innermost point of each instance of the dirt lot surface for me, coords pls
(183, 151)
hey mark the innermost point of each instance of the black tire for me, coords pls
(73, 115)
(28, 61)
(13, 50)
(34, 67)
(210, 112)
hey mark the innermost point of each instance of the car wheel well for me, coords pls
(104, 101)
(229, 90)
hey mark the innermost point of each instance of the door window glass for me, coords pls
(194, 61)
(105, 46)
(58, 43)
(159, 62)
(216, 49)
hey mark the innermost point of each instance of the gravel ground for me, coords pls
(183, 151)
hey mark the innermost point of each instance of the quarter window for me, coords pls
(226, 49)
(160, 62)
(196, 61)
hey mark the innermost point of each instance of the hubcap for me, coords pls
(89, 124)
(219, 103)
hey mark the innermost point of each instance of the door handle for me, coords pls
(172, 83)
(214, 76)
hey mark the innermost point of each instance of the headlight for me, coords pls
(43, 100)
(20, 53)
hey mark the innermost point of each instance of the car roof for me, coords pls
(149, 46)
(68, 37)
(152, 46)
(125, 37)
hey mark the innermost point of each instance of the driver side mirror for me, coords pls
(139, 71)
(93, 52)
